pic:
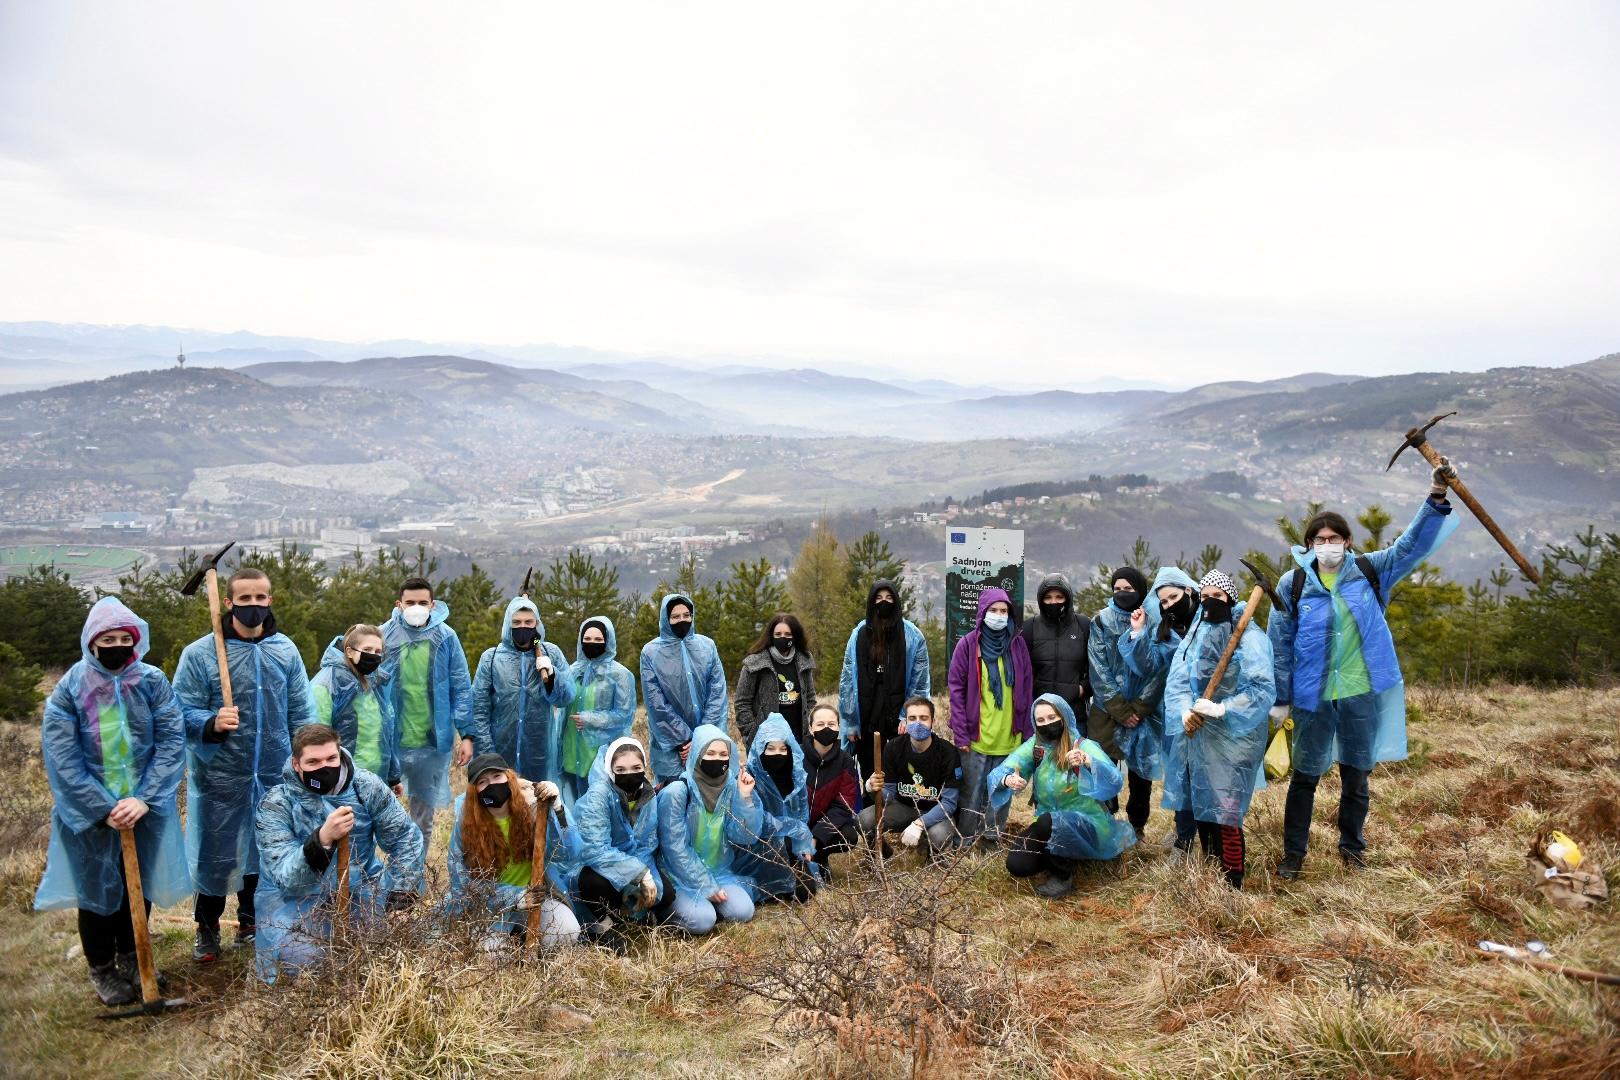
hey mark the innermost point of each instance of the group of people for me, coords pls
(698, 826)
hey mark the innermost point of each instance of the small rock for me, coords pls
(74, 952)
(558, 1019)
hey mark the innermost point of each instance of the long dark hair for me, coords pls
(801, 640)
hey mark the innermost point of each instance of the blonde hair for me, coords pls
(351, 640)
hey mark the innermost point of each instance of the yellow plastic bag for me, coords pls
(1279, 754)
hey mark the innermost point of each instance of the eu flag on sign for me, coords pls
(958, 538)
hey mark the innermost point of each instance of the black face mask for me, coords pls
(593, 649)
(884, 609)
(524, 637)
(629, 782)
(1053, 613)
(496, 795)
(1129, 600)
(1217, 610)
(1179, 614)
(322, 781)
(825, 736)
(250, 615)
(680, 629)
(779, 767)
(368, 662)
(1050, 732)
(713, 768)
(115, 657)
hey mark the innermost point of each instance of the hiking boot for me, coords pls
(1055, 887)
(607, 935)
(1181, 846)
(246, 934)
(129, 969)
(205, 947)
(1352, 859)
(1290, 867)
(1141, 833)
(1234, 878)
(111, 987)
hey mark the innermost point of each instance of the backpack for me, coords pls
(1296, 588)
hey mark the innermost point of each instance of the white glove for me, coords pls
(542, 663)
(913, 834)
(1441, 473)
(1209, 709)
(1278, 714)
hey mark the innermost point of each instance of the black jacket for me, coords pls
(1058, 651)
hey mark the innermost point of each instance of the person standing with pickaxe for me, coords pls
(1336, 667)
(239, 725)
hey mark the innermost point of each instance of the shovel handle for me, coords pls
(537, 872)
(214, 616)
(1432, 456)
(343, 883)
(137, 916)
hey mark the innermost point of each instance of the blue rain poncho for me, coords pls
(363, 718)
(918, 681)
(426, 769)
(1216, 771)
(562, 872)
(698, 847)
(610, 842)
(1082, 827)
(294, 899)
(785, 838)
(225, 780)
(513, 714)
(684, 687)
(1147, 661)
(604, 703)
(1303, 646)
(1113, 683)
(108, 736)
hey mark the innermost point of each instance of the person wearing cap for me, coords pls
(114, 742)
(1215, 745)
(491, 855)
(1336, 667)
(1122, 700)
(617, 821)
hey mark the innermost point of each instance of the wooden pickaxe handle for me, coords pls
(537, 873)
(342, 884)
(1432, 456)
(1243, 622)
(877, 796)
(137, 916)
(219, 636)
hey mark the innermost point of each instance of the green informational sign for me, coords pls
(974, 560)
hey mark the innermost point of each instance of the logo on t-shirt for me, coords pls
(787, 690)
(919, 790)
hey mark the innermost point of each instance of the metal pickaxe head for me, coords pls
(147, 1008)
(1416, 437)
(1264, 582)
(210, 563)
(526, 577)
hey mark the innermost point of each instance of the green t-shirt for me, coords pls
(577, 752)
(367, 748)
(996, 735)
(516, 873)
(415, 697)
(117, 756)
(709, 843)
(1347, 672)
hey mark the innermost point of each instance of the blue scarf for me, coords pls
(992, 646)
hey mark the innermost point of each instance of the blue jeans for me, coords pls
(697, 915)
(1354, 802)
(974, 807)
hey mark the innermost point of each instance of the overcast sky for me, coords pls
(1032, 192)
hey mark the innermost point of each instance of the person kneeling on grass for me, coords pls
(113, 741)
(1069, 779)
(705, 819)
(920, 780)
(779, 865)
(492, 855)
(617, 820)
(322, 799)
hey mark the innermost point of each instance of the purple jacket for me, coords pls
(965, 692)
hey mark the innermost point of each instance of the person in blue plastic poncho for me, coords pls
(603, 708)
(427, 669)
(705, 819)
(683, 684)
(492, 851)
(520, 686)
(1336, 667)
(617, 822)
(1123, 701)
(779, 866)
(1214, 746)
(234, 755)
(113, 742)
(885, 666)
(323, 798)
(352, 695)
(1069, 780)
(1157, 628)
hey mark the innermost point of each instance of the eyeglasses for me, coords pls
(1319, 541)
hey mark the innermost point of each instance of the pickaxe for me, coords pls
(1262, 587)
(524, 592)
(1418, 437)
(152, 999)
(209, 572)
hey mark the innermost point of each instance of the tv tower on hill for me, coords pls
(180, 361)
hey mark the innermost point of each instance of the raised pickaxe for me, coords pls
(152, 999)
(524, 592)
(209, 572)
(1263, 587)
(1418, 437)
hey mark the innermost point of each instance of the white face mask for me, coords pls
(1330, 555)
(995, 621)
(417, 615)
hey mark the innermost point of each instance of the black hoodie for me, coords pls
(880, 682)
(1057, 651)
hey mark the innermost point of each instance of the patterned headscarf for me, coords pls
(1219, 579)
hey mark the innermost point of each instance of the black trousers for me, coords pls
(106, 937)
(602, 898)
(1226, 845)
(1027, 854)
(1138, 800)
(830, 839)
(207, 910)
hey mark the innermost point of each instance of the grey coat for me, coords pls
(757, 695)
